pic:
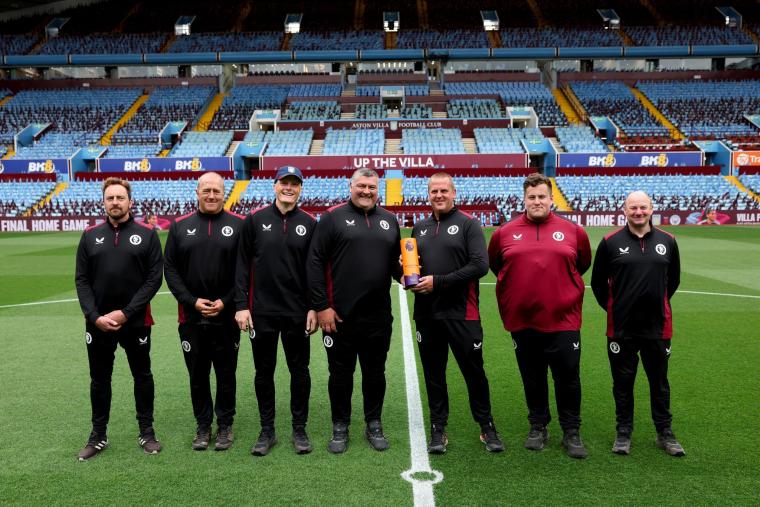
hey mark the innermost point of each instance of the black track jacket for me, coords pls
(634, 279)
(352, 259)
(271, 263)
(119, 268)
(200, 262)
(453, 250)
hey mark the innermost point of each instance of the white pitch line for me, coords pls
(701, 293)
(422, 488)
(35, 303)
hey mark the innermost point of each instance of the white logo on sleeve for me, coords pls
(614, 347)
(558, 236)
(99, 241)
(266, 227)
(385, 225)
(227, 231)
(135, 239)
(423, 232)
(477, 346)
(453, 229)
(419, 337)
(667, 351)
(576, 345)
(186, 346)
(88, 338)
(252, 334)
(517, 237)
(143, 341)
(514, 344)
(660, 249)
(191, 232)
(350, 223)
(624, 251)
(301, 230)
(328, 341)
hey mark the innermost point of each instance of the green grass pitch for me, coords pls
(44, 407)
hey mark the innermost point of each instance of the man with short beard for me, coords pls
(118, 271)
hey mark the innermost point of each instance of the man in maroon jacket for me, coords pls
(538, 259)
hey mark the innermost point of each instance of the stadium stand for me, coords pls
(318, 191)
(353, 141)
(504, 192)
(473, 108)
(579, 139)
(57, 145)
(504, 140)
(314, 90)
(668, 192)
(162, 197)
(227, 41)
(16, 44)
(751, 181)
(69, 110)
(315, 110)
(166, 103)
(202, 144)
(514, 93)
(707, 109)
(686, 35)
(132, 150)
(17, 197)
(290, 142)
(104, 44)
(421, 141)
(238, 107)
(558, 37)
(615, 99)
(459, 38)
(409, 90)
(348, 39)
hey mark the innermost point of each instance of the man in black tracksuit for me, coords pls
(118, 271)
(200, 270)
(453, 258)
(636, 272)
(353, 256)
(272, 302)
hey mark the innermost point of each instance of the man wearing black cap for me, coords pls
(272, 302)
(353, 257)
(200, 270)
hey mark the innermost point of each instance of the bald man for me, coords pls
(636, 272)
(200, 256)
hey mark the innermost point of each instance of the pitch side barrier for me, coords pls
(373, 55)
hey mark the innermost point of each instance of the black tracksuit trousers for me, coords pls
(465, 338)
(101, 352)
(206, 345)
(624, 361)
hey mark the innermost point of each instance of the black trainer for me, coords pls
(147, 440)
(202, 438)
(438, 440)
(339, 442)
(267, 440)
(95, 444)
(224, 438)
(573, 444)
(375, 437)
(622, 444)
(666, 441)
(301, 442)
(537, 437)
(490, 437)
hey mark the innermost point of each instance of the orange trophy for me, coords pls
(410, 262)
